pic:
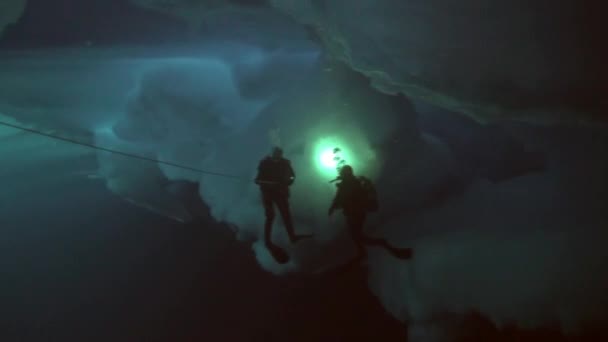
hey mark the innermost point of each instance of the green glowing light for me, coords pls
(328, 159)
(330, 154)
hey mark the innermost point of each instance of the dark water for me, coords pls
(77, 22)
(79, 264)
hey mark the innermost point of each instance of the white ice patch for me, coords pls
(518, 253)
(139, 182)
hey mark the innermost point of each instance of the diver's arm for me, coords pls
(336, 203)
(290, 173)
(257, 178)
(334, 206)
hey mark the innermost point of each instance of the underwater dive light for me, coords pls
(330, 154)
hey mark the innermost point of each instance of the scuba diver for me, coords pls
(356, 197)
(275, 175)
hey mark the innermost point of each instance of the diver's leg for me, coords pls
(283, 206)
(359, 221)
(401, 253)
(355, 226)
(269, 212)
(277, 253)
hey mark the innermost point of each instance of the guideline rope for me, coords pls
(125, 154)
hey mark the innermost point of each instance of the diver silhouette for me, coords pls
(351, 197)
(275, 176)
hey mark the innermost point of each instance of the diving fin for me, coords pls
(278, 254)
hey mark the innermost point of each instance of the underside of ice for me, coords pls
(506, 219)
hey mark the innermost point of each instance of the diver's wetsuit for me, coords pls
(275, 175)
(350, 198)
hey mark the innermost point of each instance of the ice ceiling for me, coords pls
(531, 60)
(10, 12)
(479, 206)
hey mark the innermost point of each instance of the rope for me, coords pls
(125, 154)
